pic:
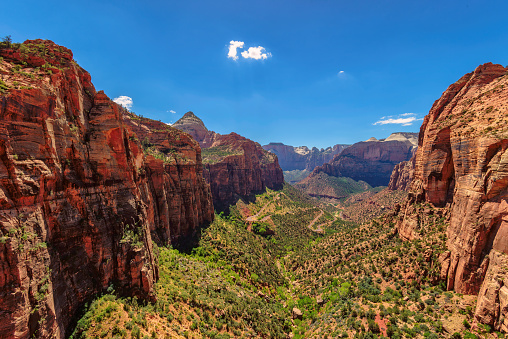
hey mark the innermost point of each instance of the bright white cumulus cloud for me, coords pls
(405, 119)
(233, 46)
(172, 112)
(256, 53)
(124, 101)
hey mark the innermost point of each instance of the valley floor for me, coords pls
(287, 266)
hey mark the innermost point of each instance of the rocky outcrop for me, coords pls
(194, 126)
(371, 161)
(402, 175)
(179, 197)
(234, 166)
(462, 166)
(302, 158)
(77, 194)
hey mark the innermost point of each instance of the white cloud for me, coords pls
(256, 53)
(171, 111)
(124, 101)
(340, 73)
(233, 45)
(405, 119)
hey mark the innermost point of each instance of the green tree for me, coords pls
(7, 41)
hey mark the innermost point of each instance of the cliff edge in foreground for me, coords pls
(461, 166)
(79, 199)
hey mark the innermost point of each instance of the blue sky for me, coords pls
(396, 58)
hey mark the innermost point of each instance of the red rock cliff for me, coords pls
(235, 167)
(462, 165)
(181, 198)
(402, 175)
(248, 170)
(76, 194)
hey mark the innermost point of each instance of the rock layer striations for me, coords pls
(402, 175)
(462, 165)
(79, 200)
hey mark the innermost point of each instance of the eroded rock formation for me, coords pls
(180, 198)
(78, 200)
(235, 167)
(461, 165)
(402, 175)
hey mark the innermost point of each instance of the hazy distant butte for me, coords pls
(371, 161)
(399, 136)
(302, 158)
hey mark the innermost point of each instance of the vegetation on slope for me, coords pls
(216, 154)
(323, 185)
(295, 176)
(365, 206)
(347, 280)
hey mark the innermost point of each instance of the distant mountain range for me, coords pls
(302, 158)
(370, 161)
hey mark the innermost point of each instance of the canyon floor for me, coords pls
(287, 266)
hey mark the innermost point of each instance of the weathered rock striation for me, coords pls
(402, 175)
(302, 158)
(461, 165)
(371, 161)
(234, 166)
(180, 199)
(79, 200)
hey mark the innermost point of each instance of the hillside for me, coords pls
(331, 188)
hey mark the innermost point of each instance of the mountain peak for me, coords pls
(189, 118)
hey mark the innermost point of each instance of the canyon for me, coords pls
(360, 166)
(103, 209)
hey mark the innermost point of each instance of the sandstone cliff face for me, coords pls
(179, 197)
(76, 194)
(371, 161)
(302, 158)
(235, 167)
(402, 175)
(462, 165)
